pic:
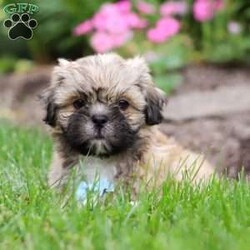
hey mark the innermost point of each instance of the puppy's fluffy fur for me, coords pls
(103, 111)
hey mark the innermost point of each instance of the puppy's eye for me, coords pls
(123, 104)
(78, 103)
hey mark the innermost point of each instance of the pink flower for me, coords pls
(156, 35)
(120, 39)
(124, 6)
(145, 8)
(99, 21)
(113, 25)
(116, 24)
(83, 28)
(173, 8)
(203, 10)
(165, 28)
(134, 21)
(169, 25)
(100, 18)
(110, 19)
(101, 42)
(108, 9)
(117, 18)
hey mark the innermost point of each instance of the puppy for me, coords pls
(103, 111)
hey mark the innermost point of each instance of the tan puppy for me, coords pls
(103, 112)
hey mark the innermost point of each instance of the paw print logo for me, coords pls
(20, 26)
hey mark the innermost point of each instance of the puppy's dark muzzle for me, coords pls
(99, 120)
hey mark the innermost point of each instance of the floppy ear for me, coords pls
(47, 97)
(156, 100)
(50, 107)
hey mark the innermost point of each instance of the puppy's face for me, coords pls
(98, 104)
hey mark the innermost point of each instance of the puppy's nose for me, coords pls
(99, 120)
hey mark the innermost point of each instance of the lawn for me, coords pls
(34, 217)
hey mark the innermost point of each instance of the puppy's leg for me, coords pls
(58, 173)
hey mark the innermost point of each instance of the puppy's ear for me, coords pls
(156, 100)
(47, 98)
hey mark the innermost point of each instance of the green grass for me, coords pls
(34, 217)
